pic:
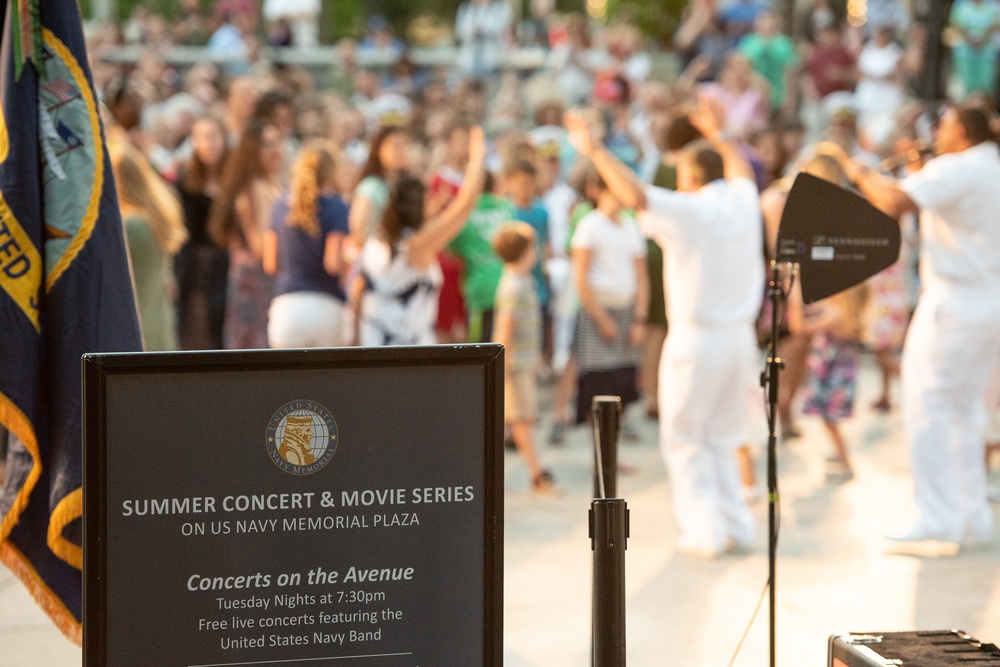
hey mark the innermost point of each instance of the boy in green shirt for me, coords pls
(482, 265)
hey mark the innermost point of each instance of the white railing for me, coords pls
(323, 56)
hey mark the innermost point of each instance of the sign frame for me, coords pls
(98, 368)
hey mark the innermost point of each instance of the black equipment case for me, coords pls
(938, 648)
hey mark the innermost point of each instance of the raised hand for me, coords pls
(579, 134)
(834, 150)
(698, 66)
(477, 145)
(709, 118)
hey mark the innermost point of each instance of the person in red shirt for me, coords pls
(441, 189)
(830, 66)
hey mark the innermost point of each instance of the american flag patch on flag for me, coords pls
(61, 90)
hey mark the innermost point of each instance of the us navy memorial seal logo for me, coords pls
(301, 437)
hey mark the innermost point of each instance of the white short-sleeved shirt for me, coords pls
(712, 243)
(959, 199)
(614, 247)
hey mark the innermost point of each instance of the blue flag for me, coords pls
(65, 290)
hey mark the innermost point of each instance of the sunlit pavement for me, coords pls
(833, 570)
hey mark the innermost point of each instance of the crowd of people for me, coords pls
(581, 214)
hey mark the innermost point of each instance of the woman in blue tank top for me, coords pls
(304, 251)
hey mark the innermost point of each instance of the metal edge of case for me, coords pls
(856, 653)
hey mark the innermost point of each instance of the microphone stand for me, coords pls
(769, 380)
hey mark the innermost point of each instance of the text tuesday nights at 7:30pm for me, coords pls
(332, 622)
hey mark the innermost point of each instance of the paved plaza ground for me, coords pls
(833, 570)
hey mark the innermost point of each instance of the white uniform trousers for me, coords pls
(951, 348)
(706, 381)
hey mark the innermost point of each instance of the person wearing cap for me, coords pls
(388, 110)
(710, 231)
(953, 343)
(557, 196)
(558, 199)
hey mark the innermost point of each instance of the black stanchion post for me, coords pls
(607, 413)
(774, 366)
(609, 534)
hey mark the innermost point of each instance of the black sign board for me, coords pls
(837, 237)
(320, 507)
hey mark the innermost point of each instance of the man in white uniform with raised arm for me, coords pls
(953, 342)
(710, 232)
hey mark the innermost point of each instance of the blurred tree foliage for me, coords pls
(347, 18)
(658, 19)
(167, 8)
(341, 18)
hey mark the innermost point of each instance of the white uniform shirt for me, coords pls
(959, 198)
(712, 246)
